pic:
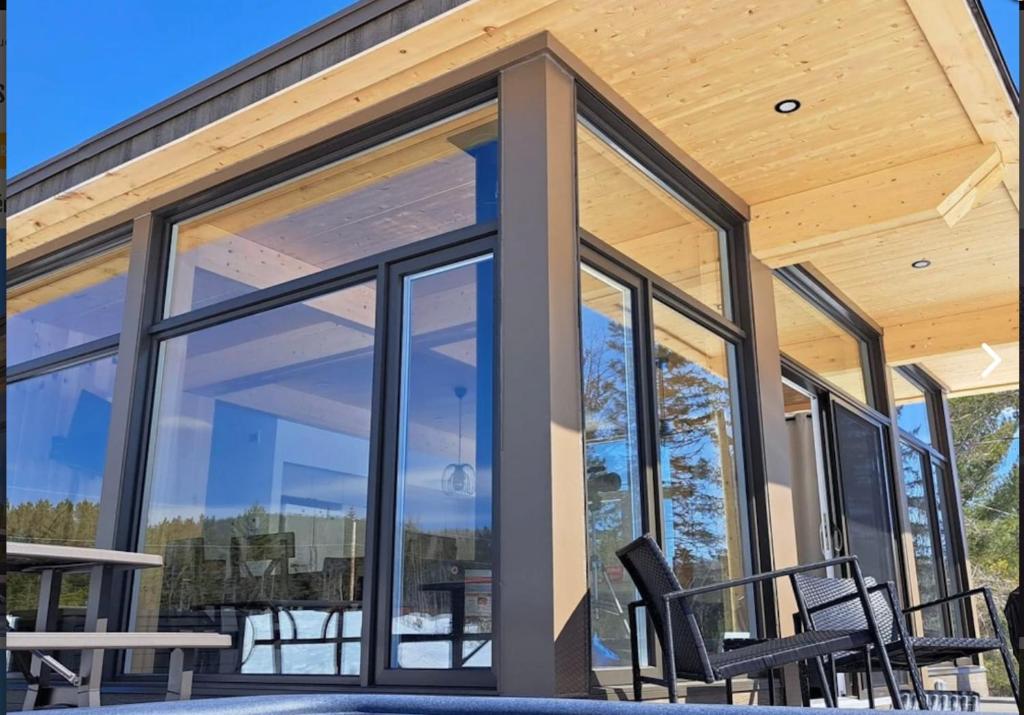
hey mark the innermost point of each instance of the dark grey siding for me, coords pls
(323, 45)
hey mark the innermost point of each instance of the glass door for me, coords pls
(862, 498)
(438, 545)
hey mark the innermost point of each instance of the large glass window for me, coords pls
(67, 308)
(819, 343)
(256, 488)
(614, 491)
(441, 610)
(627, 207)
(701, 493)
(423, 184)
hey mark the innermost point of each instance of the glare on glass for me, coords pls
(628, 208)
(442, 609)
(819, 343)
(422, 184)
(256, 488)
(702, 495)
(613, 482)
(67, 308)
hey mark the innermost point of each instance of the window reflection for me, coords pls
(257, 487)
(702, 501)
(819, 343)
(945, 524)
(919, 517)
(423, 184)
(614, 497)
(628, 208)
(911, 408)
(441, 603)
(67, 308)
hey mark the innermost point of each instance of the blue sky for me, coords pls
(78, 67)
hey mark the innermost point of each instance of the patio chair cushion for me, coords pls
(781, 651)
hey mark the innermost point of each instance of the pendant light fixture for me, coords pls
(459, 478)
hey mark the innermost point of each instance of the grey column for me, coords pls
(542, 644)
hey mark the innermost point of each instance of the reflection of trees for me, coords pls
(64, 522)
(695, 447)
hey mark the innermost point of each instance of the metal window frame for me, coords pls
(734, 325)
(380, 628)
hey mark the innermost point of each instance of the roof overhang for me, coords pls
(907, 141)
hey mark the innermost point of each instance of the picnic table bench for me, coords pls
(51, 561)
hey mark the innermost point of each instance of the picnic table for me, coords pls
(51, 562)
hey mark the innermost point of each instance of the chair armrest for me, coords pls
(758, 578)
(949, 599)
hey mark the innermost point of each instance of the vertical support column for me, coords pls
(124, 441)
(778, 470)
(542, 644)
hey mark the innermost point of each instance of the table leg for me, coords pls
(46, 620)
(91, 670)
(179, 677)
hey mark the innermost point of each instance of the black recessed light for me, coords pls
(921, 263)
(787, 106)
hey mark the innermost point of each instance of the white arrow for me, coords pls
(995, 360)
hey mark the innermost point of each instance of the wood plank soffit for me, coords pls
(790, 229)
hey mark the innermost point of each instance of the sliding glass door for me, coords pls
(863, 495)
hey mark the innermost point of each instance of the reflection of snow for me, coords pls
(438, 654)
(296, 658)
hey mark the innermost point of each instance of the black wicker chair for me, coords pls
(829, 603)
(684, 650)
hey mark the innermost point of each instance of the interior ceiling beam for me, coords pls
(790, 229)
(955, 39)
(920, 340)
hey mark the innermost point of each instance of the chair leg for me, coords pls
(826, 689)
(728, 691)
(771, 687)
(869, 677)
(891, 684)
(634, 649)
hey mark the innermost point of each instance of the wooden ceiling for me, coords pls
(891, 91)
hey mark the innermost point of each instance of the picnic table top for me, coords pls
(26, 556)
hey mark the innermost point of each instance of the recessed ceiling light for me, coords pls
(787, 106)
(922, 263)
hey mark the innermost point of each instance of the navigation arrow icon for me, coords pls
(995, 360)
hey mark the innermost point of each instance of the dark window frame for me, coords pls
(734, 325)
